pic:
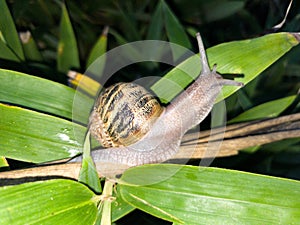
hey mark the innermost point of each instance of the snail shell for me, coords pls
(159, 139)
(123, 114)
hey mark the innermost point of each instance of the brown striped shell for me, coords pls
(123, 114)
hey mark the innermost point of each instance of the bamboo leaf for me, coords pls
(31, 50)
(216, 10)
(156, 24)
(3, 162)
(9, 32)
(35, 137)
(88, 172)
(247, 57)
(175, 31)
(68, 55)
(99, 48)
(84, 83)
(130, 25)
(240, 56)
(119, 38)
(120, 208)
(47, 202)
(187, 194)
(43, 95)
(266, 110)
(6, 52)
(88, 175)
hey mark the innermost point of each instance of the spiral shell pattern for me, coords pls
(123, 114)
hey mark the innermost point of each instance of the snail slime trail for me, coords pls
(137, 130)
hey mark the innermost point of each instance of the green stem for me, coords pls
(107, 195)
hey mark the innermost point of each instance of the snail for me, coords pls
(137, 130)
(123, 114)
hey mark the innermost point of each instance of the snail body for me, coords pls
(158, 137)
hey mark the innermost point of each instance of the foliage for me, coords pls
(41, 41)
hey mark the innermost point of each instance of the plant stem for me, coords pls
(107, 194)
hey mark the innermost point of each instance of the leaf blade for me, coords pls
(175, 32)
(48, 202)
(88, 173)
(236, 57)
(6, 52)
(67, 52)
(266, 110)
(156, 24)
(43, 95)
(9, 32)
(35, 137)
(3, 162)
(211, 195)
(30, 47)
(120, 208)
(99, 48)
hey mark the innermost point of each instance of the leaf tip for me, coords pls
(105, 31)
(297, 36)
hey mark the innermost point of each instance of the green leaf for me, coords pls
(9, 32)
(216, 10)
(251, 150)
(6, 52)
(237, 57)
(68, 55)
(120, 40)
(244, 100)
(99, 48)
(266, 110)
(193, 195)
(47, 202)
(175, 31)
(156, 24)
(88, 172)
(120, 208)
(35, 137)
(129, 25)
(31, 50)
(43, 95)
(177, 79)
(3, 162)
